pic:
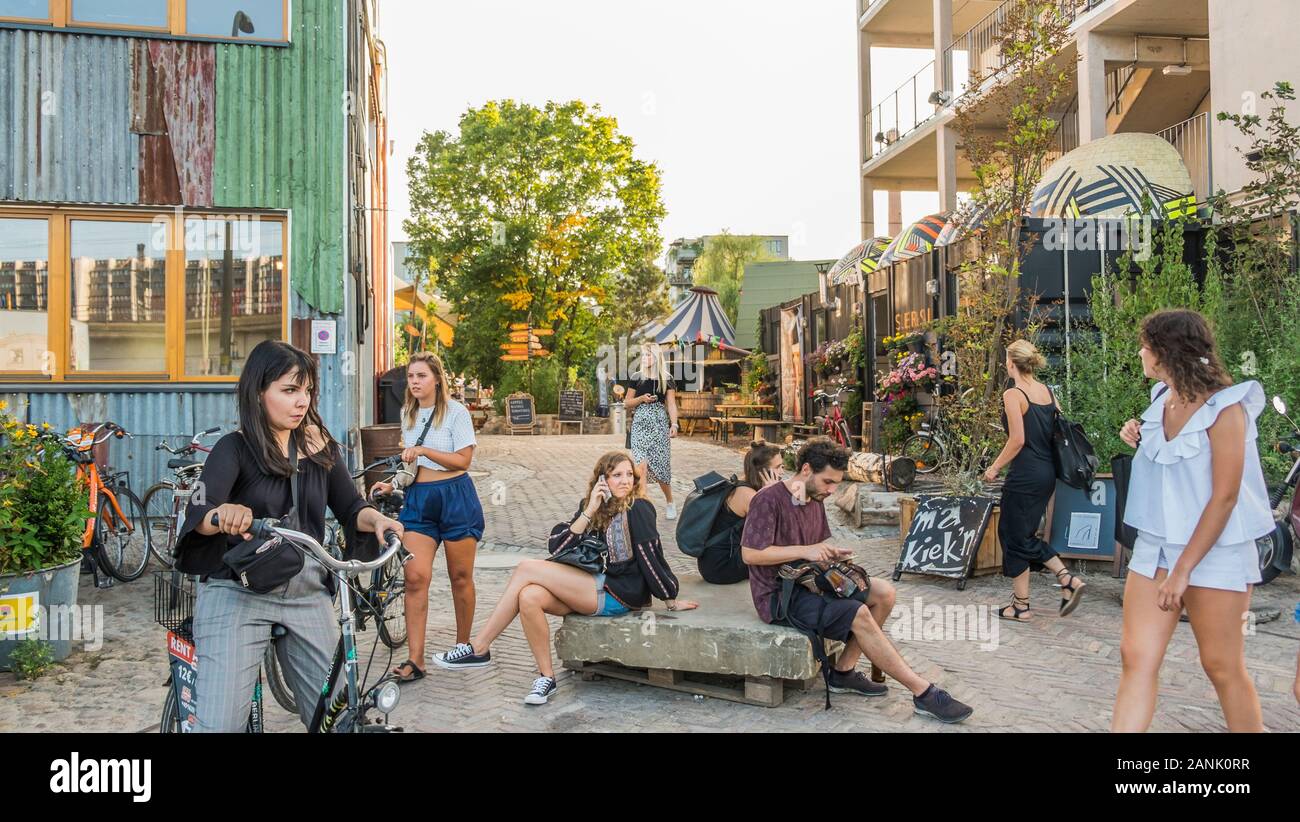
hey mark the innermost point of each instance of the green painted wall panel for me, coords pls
(280, 142)
(768, 284)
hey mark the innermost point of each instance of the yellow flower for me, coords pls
(4, 406)
(45, 426)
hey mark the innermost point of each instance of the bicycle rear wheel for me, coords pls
(923, 450)
(276, 681)
(171, 714)
(123, 540)
(388, 593)
(159, 502)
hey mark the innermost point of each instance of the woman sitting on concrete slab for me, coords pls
(721, 563)
(616, 512)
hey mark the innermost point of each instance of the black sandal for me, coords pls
(1016, 610)
(415, 675)
(1076, 591)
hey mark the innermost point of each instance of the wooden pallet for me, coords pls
(764, 691)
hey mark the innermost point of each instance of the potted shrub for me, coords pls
(43, 513)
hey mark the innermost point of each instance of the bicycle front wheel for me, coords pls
(923, 450)
(159, 509)
(388, 593)
(122, 533)
(842, 434)
(276, 681)
(171, 714)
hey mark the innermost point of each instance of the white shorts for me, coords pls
(1226, 567)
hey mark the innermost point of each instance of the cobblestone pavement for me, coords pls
(1052, 674)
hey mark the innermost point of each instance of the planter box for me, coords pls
(53, 592)
(989, 558)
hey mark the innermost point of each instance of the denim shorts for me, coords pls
(606, 604)
(443, 509)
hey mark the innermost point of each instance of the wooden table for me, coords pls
(727, 407)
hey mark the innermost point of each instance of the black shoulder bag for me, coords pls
(589, 553)
(262, 565)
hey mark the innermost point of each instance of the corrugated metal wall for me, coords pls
(65, 119)
(280, 141)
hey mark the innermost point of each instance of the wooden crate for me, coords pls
(989, 558)
(753, 690)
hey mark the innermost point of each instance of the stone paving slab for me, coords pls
(1051, 674)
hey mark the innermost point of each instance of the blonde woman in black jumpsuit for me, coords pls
(1029, 410)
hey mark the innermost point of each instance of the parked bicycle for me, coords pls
(116, 538)
(165, 501)
(834, 425)
(343, 705)
(384, 599)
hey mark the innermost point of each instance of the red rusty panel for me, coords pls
(173, 109)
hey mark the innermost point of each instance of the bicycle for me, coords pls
(834, 425)
(165, 501)
(116, 538)
(341, 707)
(385, 597)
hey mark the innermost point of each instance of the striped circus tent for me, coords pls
(699, 318)
(1112, 176)
(916, 240)
(862, 258)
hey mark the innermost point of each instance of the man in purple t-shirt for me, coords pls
(787, 523)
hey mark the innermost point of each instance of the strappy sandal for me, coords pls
(1076, 591)
(415, 674)
(1016, 610)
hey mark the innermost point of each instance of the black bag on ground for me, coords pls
(1076, 461)
(262, 565)
(702, 506)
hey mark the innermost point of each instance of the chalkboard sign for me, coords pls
(944, 537)
(519, 411)
(572, 405)
(1083, 522)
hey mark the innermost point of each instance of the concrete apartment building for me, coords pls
(1164, 67)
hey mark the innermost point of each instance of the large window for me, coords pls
(124, 295)
(24, 294)
(263, 21)
(118, 296)
(234, 269)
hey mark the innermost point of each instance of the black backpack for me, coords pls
(702, 506)
(1076, 461)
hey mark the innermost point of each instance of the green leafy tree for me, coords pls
(721, 266)
(542, 213)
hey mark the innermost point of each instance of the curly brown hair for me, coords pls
(1183, 344)
(613, 506)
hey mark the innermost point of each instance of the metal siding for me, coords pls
(280, 142)
(178, 87)
(334, 384)
(82, 149)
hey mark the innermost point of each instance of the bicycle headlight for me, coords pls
(387, 697)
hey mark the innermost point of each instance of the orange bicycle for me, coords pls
(117, 537)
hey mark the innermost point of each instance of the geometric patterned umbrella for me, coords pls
(918, 239)
(849, 268)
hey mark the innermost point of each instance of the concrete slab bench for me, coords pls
(722, 649)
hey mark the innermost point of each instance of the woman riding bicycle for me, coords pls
(247, 476)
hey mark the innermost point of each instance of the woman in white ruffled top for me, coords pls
(1198, 501)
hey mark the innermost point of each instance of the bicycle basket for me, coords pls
(173, 601)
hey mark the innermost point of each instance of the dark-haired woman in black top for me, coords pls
(246, 477)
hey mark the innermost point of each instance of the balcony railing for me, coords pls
(978, 54)
(910, 105)
(1192, 139)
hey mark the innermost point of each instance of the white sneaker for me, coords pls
(672, 511)
(543, 687)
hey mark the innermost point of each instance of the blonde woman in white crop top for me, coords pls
(1198, 501)
(442, 505)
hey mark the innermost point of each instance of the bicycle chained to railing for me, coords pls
(343, 704)
(116, 538)
(165, 501)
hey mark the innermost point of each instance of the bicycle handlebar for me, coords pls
(267, 528)
(192, 445)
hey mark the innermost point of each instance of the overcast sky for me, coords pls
(748, 108)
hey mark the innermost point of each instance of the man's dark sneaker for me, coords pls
(936, 702)
(462, 656)
(543, 687)
(856, 682)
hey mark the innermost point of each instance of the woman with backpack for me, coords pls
(613, 512)
(720, 563)
(1028, 413)
(1198, 501)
